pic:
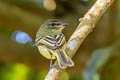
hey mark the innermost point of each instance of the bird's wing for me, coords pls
(51, 41)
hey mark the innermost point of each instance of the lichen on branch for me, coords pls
(86, 25)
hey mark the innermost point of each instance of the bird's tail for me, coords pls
(63, 59)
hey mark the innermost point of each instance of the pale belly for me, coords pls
(44, 51)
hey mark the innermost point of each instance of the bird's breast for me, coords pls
(46, 52)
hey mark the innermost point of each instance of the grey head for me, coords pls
(51, 27)
(54, 24)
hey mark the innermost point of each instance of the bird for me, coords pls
(51, 42)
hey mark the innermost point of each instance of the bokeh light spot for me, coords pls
(21, 37)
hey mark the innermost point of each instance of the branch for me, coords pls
(86, 25)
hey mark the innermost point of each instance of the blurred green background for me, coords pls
(98, 58)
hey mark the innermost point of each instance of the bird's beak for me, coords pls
(64, 24)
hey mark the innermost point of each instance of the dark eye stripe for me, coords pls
(54, 24)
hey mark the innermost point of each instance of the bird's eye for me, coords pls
(53, 24)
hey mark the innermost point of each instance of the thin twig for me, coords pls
(87, 23)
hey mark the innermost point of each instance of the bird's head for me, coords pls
(54, 24)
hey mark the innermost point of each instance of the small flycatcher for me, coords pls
(51, 42)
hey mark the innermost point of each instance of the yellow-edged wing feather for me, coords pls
(54, 45)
